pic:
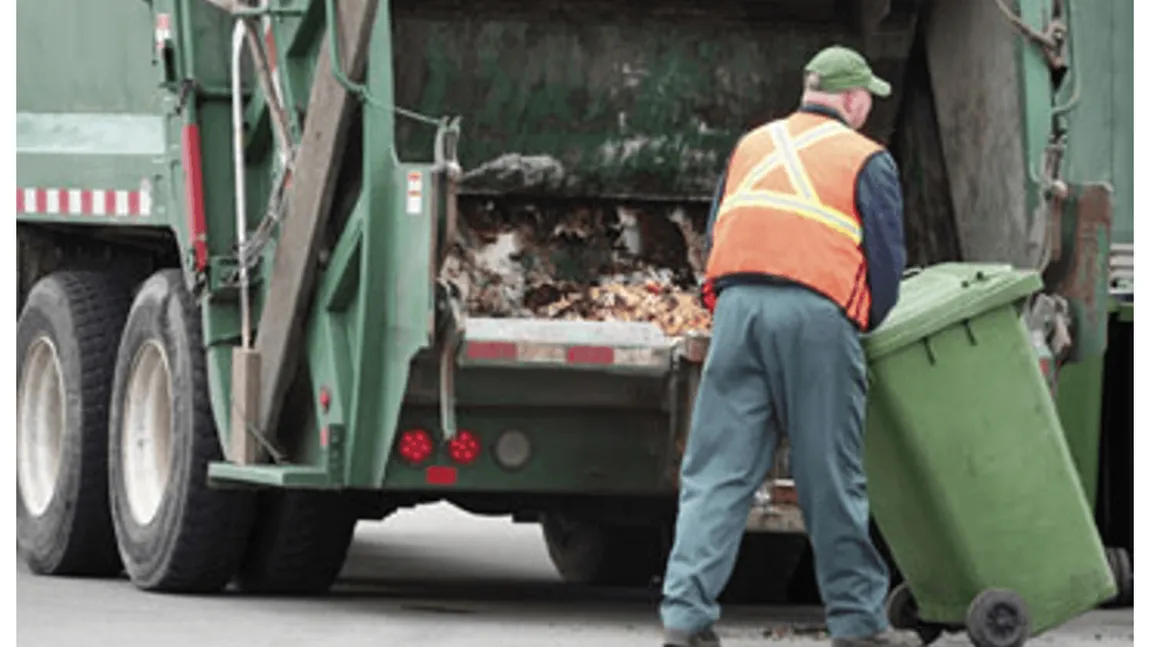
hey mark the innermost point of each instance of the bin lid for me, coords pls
(936, 297)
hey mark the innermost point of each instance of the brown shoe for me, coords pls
(704, 638)
(888, 638)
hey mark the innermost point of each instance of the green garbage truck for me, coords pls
(286, 265)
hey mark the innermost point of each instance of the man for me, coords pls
(806, 253)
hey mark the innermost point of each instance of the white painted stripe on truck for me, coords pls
(121, 203)
(145, 203)
(30, 201)
(75, 206)
(89, 134)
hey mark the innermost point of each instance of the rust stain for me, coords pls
(1084, 265)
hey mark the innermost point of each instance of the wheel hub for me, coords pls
(146, 436)
(1003, 620)
(41, 418)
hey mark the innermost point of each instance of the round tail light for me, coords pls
(415, 446)
(464, 447)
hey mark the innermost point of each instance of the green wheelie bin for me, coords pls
(970, 477)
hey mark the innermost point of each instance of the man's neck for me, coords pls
(823, 109)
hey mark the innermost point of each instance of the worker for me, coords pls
(805, 253)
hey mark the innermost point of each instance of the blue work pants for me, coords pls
(782, 360)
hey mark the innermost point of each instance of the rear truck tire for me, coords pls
(598, 554)
(998, 618)
(299, 542)
(175, 534)
(1122, 568)
(902, 611)
(65, 346)
(765, 569)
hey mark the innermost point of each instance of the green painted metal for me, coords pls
(970, 479)
(609, 100)
(1036, 102)
(77, 65)
(573, 451)
(1100, 87)
(88, 116)
(1079, 400)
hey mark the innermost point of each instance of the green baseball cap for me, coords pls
(841, 68)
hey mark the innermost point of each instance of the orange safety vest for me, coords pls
(788, 210)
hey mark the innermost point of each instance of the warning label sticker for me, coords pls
(415, 193)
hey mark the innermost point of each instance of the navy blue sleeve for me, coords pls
(878, 197)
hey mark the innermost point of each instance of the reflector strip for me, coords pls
(562, 354)
(590, 355)
(440, 475)
(83, 202)
(163, 30)
(492, 350)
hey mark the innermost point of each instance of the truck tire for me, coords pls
(605, 555)
(299, 543)
(65, 347)
(765, 568)
(175, 534)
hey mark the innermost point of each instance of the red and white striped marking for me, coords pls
(83, 202)
(533, 353)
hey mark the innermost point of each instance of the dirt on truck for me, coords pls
(287, 265)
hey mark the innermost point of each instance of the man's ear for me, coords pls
(851, 100)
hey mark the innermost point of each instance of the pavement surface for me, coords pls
(429, 577)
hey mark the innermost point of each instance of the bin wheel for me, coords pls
(902, 611)
(998, 618)
(1123, 571)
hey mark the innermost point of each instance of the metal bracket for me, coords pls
(452, 329)
(1052, 39)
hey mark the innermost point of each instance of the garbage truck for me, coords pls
(288, 265)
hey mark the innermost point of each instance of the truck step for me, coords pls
(224, 474)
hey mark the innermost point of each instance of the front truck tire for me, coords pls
(299, 542)
(65, 346)
(595, 554)
(175, 534)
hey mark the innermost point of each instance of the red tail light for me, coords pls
(464, 447)
(415, 446)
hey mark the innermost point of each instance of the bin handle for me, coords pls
(911, 271)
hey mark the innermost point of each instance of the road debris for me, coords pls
(790, 631)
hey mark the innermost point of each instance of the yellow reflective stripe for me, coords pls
(771, 162)
(823, 214)
(791, 164)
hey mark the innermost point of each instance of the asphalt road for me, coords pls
(428, 577)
